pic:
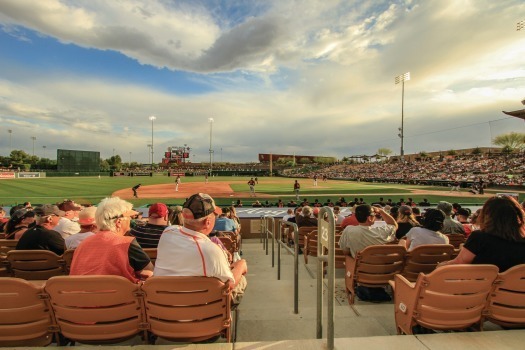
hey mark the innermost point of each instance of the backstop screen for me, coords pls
(78, 161)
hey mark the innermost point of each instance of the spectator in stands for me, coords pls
(462, 215)
(88, 227)
(338, 217)
(175, 216)
(405, 221)
(350, 220)
(425, 203)
(256, 204)
(279, 204)
(3, 219)
(356, 238)
(19, 223)
(501, 238)
(450, 225)
(109, 251)
(238, 204)
(305, 218)
(42, 236)
(148, 235)
(223, 223)
(289, 214)
(68, 224)
(429, 233)
(417, 215)
(188, 251)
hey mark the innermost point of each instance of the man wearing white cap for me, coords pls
(188, 251)
(109, 251)
(86, 220)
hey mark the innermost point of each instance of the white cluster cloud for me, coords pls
(312, 77)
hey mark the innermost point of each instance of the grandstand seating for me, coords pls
(152, 254)
(456, 239)
(452, 297)
(35, 264)
(68, 259)
(7, 245)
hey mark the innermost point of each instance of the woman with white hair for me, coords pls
(109, 251)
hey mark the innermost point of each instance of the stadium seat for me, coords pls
(7, 245)
(425, 258)
(456, 239)
(35, 264)
(96, 309)
(152, 253)
(373, 266)
(449, 298)
(68, 259)
(26, 319)
(187, 309)
(506, 305)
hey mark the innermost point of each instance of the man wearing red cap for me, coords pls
(188, 251)
(148, 235)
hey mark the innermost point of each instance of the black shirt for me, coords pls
(491, 249)
(138, 259)
(40, 238)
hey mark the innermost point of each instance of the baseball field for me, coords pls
(90, 190)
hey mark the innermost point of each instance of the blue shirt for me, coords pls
(224, 224)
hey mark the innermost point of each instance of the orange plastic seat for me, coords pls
(373, 266)
(187, 309)
(506, 305)
(96, 309)
(456, 239)
(451, 297)
(35, 264)
(425, 258)
(7, 245)
(152, 254)
(303, 231)
(68, 259)
(310, 245)
(25, 316)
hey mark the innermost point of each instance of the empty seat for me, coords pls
(187, 309)
(25, 316)
(35, 264)
(373, 266)
(425, 258)
(451, 297)
(96, 309)
(506, 305)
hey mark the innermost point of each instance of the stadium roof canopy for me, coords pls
(517, 114)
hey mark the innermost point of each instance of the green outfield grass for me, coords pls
(92, 189)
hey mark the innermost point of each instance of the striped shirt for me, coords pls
(148, 235)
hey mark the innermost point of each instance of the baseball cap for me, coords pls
(463, 212)
(158, 209)
(48, 209)
(69, 205)
(87, 216)
(20, 214)
(444, 206)
(200, 205)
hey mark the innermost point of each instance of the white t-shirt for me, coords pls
(184, 252)
(74, 240)
(357, 238)
(67, 227)
(420, 236)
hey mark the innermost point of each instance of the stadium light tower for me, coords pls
(152, 118)
(10, 139)
(401, 79)
(44, 148)
(520, 25)
(33, 138)
(210, 120)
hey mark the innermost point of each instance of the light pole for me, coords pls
(33, 138)
(210, 120)
(520, 25)
(10, 139)
(149, 153)
(401, 79)
(152, 118)
(44, 147)
(130, 159)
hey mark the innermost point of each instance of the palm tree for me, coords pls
(511, 141)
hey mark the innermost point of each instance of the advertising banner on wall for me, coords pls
(28, 175)
(7, 175)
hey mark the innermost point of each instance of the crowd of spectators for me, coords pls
(494, 171)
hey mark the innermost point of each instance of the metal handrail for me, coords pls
(326, 240)
(295, 253)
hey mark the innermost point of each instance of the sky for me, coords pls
(305, 77)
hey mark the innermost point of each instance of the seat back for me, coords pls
(26, 318)
(96, 309)
(35, 264)
(187, 308)
(7, 245)
(152, 254)
(376, 265)
(453, 296)
(68, 259)
(425, 258)
(506, 305)
(456, 239)
(228, 243)
(310, 245)
(303, 231)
